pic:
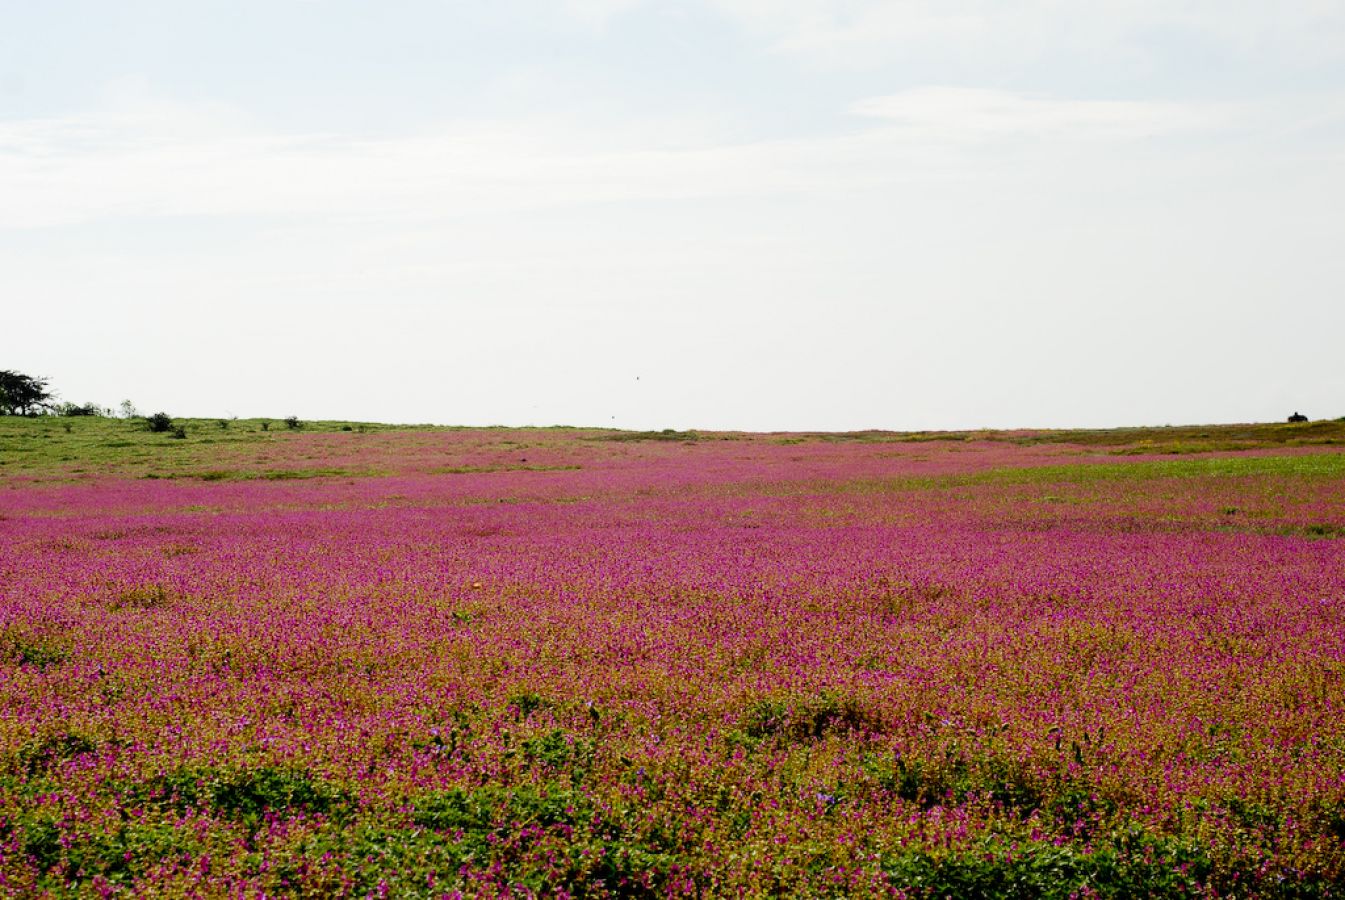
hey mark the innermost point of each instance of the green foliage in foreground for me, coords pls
(548, 837)
(554, 826)
(1126, 866)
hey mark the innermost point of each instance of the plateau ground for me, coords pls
(346, 659)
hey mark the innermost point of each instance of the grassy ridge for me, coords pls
(51, 444)
(50, 447)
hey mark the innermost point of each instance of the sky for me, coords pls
(720, 214)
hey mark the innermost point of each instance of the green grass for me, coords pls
(482, 470)
(1308, 466)
(886, 437)
(667, 434)
(50, 446)
(267, 475)
(1167, 439)
(1191, 436)
(1317, 465)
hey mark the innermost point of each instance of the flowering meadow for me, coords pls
(552, 662)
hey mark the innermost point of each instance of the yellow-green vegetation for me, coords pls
(60, 446)
(1167, 439)
(73, 447)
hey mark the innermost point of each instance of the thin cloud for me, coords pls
(866, 33)
(953, 113)
(168, 163)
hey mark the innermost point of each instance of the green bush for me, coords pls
(69, 858)
(249, 794)
(75, 409)
(42, 753)
(528, 703)
(804, 717)
(21, 648)
(1131, 867)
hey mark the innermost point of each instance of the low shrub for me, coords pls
(1127, 867)
(805, 717)
(75, 409)
(149, 596)
(21, 648)
(41, 753)
(251, 793)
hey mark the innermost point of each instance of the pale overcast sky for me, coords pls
(756, 214)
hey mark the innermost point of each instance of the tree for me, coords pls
(22, 395)
(75, 409)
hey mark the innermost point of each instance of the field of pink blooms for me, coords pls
(557, 663)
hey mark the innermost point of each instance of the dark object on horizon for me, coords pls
(293, 423)
(159, 422)
(1298, 417)
(74, 409)
(22, 395)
